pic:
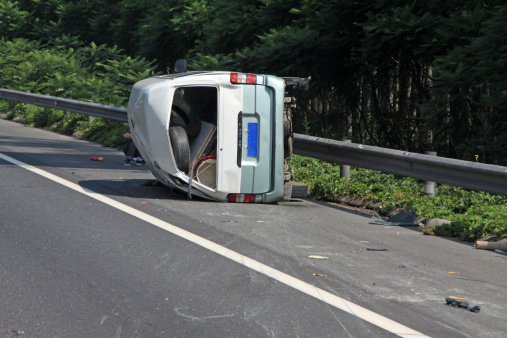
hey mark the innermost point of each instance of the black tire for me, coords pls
(299, 190)
(181, 148)
(188, 120)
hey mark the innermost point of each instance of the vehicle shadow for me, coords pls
(136, 188)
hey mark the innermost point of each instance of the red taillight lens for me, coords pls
(234, 77)
(251, 79)
(241, 198)
(242, 78)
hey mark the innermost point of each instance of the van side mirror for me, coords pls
(180, 66)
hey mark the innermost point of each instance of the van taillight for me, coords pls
(243, 78)
(241, 198)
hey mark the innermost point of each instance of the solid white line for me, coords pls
(333, 300)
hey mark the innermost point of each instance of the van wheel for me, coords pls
(299, 190)
(184, 117)
(181, 147)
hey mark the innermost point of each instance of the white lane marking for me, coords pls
(327, 297)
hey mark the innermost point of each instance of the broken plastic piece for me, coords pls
(317, 257)
(320, 274)
(401, 218)
(457, 298)
(371, 249)
(462, 304)
(456, 273)
(500, 245)
(97, 158)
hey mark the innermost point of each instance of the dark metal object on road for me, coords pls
(471, 175)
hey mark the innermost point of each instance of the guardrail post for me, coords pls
(67, 114)
(429, 186)
(345, 169)
(90, 118)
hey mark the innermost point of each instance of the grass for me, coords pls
(472, 214)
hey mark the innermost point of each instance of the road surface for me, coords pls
(87, 250)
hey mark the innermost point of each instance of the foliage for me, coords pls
(87, 73)
(96, 73)
(473, 214)
(418, 76)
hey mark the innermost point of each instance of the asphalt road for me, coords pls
(101, 262)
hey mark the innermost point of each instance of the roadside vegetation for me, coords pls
(417, 76)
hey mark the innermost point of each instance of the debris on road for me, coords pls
(320, 274)
(457, 298)
(401, 218)
(486, 245)
(97, 158)
(372, 249)
(456, 273)
(462, 304)
(317, 257)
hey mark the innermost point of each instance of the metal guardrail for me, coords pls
(471, 175)
(87, 108)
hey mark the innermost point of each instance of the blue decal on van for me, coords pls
(253, 139)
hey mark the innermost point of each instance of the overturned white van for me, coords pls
(223, 136)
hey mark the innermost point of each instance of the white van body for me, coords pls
(234, 133)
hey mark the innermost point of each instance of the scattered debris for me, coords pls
(18, 119)
(456, 273)
(97, 158)
(402, 266)
(317, 257)
(419, 293)
(457, 298)
(320, 274)
(485, 245)
(401, 218)
(78, 134)
(372, 249)
(462, 304)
